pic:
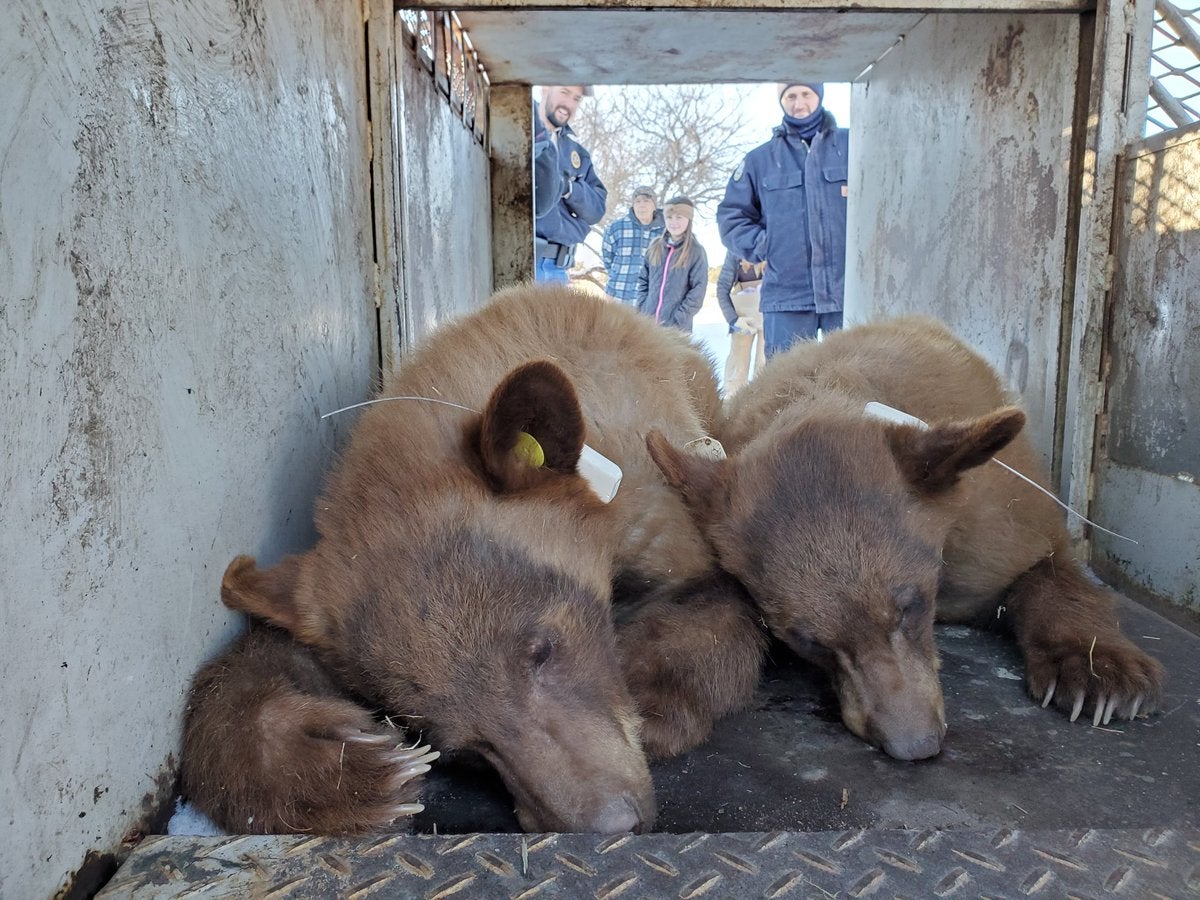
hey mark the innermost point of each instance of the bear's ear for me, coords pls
(702, 481)
(931, 459)
(537, 400)
(269, 594)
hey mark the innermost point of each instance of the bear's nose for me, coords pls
(922, 747)
(618, 815)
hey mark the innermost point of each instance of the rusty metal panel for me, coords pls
(1002, 862)
(1154, 392)
(959, 189)
(512, 184)
(445, 185)
(1148, 460)
(385, 41)
(185, 281)
(1117, 43)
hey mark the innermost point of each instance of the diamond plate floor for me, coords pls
(972, 863)
(783, 801)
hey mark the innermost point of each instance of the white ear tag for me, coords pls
(706, 447)
(891, 414)
(601, 473)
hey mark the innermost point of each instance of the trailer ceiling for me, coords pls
(677, 46)
(680, 45)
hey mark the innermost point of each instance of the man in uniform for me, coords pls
(578, 195)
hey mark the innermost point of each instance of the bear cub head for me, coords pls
(835, 522)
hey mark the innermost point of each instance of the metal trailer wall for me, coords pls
(1147, 468)
(188, 274)
(960, 178)
(445, 188)
(186, 283)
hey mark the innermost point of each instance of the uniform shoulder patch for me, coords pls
(576, 159)
(739, 171)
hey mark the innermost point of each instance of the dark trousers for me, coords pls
(782, 329)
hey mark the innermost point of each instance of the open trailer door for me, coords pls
(1147, 455)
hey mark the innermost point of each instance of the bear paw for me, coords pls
(339, 772)
(670, 728)
(1104, 675)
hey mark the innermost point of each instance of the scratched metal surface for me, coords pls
(979, 862)
(1154, 406)
(185, 286)
(988, 185)
(1149, 463)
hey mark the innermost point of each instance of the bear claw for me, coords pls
(405, 809)
(1078, 707)
(413, 761)
(1109, 709)
(1102, 680)
(412, 755)
(1049, 693)
(1107, 706)
(406, 774)
(364, 737)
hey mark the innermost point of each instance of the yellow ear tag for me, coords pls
(529, 450)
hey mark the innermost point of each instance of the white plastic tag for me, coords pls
(601, 473)
(890, 414)
(706, 447)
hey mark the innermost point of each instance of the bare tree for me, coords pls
(678, 139)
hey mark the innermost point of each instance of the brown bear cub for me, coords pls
(462, 584)
(850, 530)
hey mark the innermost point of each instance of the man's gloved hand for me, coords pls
(741, 325)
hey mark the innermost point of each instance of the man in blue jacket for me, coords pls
(786, 203)
(566, 211)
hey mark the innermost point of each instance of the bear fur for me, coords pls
(467, 593)
(850, 531)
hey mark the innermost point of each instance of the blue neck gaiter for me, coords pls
(805, 128)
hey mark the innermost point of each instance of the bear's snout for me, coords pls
(617, 816)
(910, 727)
(893, 701)
(913, 747)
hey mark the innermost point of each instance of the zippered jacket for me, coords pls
(676, 301)
(787, 202)
(568, 221)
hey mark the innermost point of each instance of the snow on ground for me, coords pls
(711, 331)
(190, 821)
